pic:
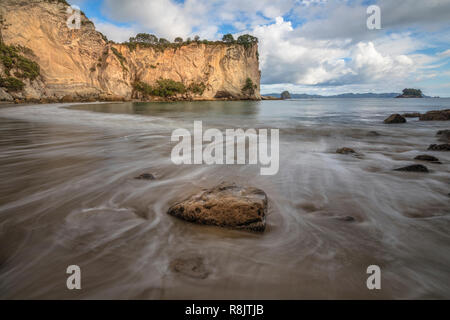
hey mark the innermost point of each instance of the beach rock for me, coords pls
(395, 118)
(5, 96)
(439, 147)
(191, 267)
(226, 205)
(67, 98)
(413, 168)
(345, 151)
(145, 176)
(373, 134)
(436, 115)
(270, 98)
(444, 135)
(426, 157)
(347, 219)
(411, 115)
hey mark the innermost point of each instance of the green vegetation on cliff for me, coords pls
(16, 67)
(249, 87)
(167, 88)
(151, 41)
(11, 84)
(12, 59)
(120, 57)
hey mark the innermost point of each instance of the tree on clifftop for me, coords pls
(228, 38)
(178, 40)
(247, 40)
(145, 38)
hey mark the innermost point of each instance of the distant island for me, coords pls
(411, 93)
(346, 95)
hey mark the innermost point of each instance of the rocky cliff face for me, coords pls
(82, 65)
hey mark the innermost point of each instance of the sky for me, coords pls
(306, 46)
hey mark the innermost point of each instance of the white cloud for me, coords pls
(114, 32)
(445, 53)
(286, 57)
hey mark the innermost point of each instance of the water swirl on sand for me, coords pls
(68, 196)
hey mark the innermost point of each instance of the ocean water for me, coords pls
(68, 197)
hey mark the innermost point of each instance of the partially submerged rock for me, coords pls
(373, 134)
(347, 219)
(191, 267)
(145, 176)
(426, 157)
(345, 150)
(395, 118)
(439, 147)
(226, 205)
(413, 168)
(411, 115)
(444, 135)
(436, 115)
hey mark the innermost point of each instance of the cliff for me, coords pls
(82, 65)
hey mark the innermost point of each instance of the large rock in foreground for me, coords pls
(436, 115)
(439, 147)
(413, 168)
(395, 118)
(226, 205)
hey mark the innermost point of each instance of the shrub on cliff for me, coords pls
(249, 87)
(197, 88)
(168, 88)
(120, 57)
(11, 58)
(163, 88)
(11, 84)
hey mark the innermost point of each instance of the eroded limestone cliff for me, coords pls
(82, 65)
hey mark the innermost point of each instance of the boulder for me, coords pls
(444, 135)
(436, 115)
(347, 219)
(5, 96)
(67, 98)
(426, 157)
(270, 98)
(226, 205)
(145, 176)
(411, 115)
(345, 150)
(439, 147)
(395, 118)
(413, 168)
